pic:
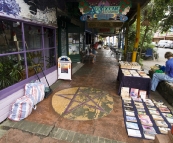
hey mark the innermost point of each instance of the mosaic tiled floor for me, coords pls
(82, 103)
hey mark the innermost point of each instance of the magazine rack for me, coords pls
(48, 90)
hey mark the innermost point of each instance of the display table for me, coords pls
(140, 83)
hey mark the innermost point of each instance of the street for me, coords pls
(161, 61)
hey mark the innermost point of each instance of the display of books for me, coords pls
(161, 123)
(154, 112)
(139, 106)
(129, 65)
(148, 100)
(132, 125)
(142, 94)
(143, 117)
(164, 109)
(146, 76)
(134, 133)
(157, 102)
(164, 130)
(149, 103)
(134, 92)
(129, 109)
(129, 113)
(140, 109)
(151, 107)
(128, 105)
(167, 115)
(149, 135)
(126, 97)
(124, 90)
(148, 128)
(127, 101)
(146, 122)
(131, 119)
(142, 113)
(160, 105)
(170, 120)
(148, 131)
(137, 99)
(138, 103)
(157, 117)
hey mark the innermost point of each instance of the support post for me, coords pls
(137, 34)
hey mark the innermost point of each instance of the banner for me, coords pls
(103, 10)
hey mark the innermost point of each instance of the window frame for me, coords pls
(4, 91)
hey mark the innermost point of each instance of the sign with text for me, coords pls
(104, 11)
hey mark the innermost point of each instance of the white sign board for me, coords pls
(64, 68)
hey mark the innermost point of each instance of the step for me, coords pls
(170, 136)
(159, 138)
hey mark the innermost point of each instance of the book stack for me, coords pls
(129, 65)
(145, 120)
(133, 129)
(169, 117)
(149, 132)
(142, 94)
(134, 93)
(164, 130)
(124, 90)
(126, 72)
(134, 73)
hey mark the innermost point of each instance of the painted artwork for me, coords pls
(10, 7)
(104, 9)
(64, 68)
(28, 11)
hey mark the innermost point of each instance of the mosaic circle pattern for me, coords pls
(82, 103)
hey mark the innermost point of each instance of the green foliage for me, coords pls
(162, 14)
(132, 36)
(10, 72)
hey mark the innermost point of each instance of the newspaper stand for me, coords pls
(64, 68)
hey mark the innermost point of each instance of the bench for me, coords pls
(165, 89)
(84, 57)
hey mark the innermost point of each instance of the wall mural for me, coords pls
(38, 11)
(104, 9)
(9, 7)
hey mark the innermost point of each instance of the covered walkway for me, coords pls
(45, 124)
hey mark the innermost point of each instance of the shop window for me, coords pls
(49, 38)
(34, 59)
(10, 36)
(33, 37)
(50, 58)
(19, 52)
(12, 70)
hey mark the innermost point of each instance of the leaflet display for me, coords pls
(64, 68)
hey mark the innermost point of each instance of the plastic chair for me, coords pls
(149, 52)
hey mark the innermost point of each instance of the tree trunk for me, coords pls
(143, 39)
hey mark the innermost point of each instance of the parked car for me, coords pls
(165, 44)
(155, 44)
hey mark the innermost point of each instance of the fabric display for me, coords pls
(143, 117)
(22, 107)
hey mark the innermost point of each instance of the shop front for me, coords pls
(27, 40)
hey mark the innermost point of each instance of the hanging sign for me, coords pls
(105, 30)
(104, 11)
(64, 68)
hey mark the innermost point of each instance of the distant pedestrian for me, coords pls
(92, 52)
(167, 76)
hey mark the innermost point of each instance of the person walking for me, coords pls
(167, 76)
